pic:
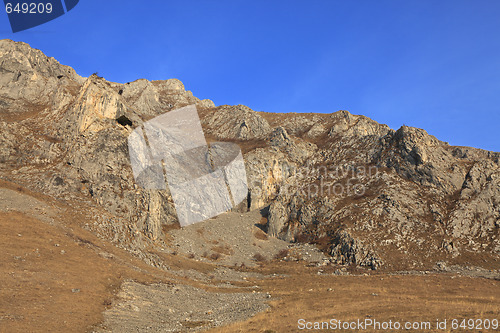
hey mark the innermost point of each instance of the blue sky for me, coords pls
(424, 63)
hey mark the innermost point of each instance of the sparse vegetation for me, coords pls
(259, 234)
(281, 254)
(410, 297)
(222, 249)
(259, 257)
(215, 256)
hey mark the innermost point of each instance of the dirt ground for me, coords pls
(58, 277)
(53, 280)
(382, 297)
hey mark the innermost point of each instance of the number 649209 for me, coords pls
(29, 8)
(475, 324)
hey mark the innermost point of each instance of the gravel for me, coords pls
(177, 308)
(237, 238)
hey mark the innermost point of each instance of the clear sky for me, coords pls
(433, 64)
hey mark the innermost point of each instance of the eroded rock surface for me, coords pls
(366, 194)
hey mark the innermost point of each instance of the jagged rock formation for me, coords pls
(366, 194)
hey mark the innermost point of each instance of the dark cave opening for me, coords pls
(124, 121)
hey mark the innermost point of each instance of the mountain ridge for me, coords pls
(65, 135)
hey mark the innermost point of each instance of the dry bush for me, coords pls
(281, 254)
(191, 256)
(324, 243)
(215, 256)
(195, 324)
(259, 234)
(223, 249)
(262, 221)
(259, 257)
(304, 238)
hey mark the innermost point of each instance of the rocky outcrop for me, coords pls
(266, 172)
(152, 98)
(348, 250)
(26, 74)
(422, 158)
(477, 211)
(377, 193)
(96, 102)
(237, 123)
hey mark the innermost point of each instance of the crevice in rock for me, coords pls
(249, 200)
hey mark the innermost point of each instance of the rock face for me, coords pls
(236, 122)
(366, 194)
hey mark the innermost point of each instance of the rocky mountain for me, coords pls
(364, 193)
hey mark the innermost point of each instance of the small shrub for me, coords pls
(259, 234)
(223, 249)
(259, 257)
(215, 256)
(262, 221)
(191, 256)
(303, 238)
(166, 228)
(281, 254)
(324, 243)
